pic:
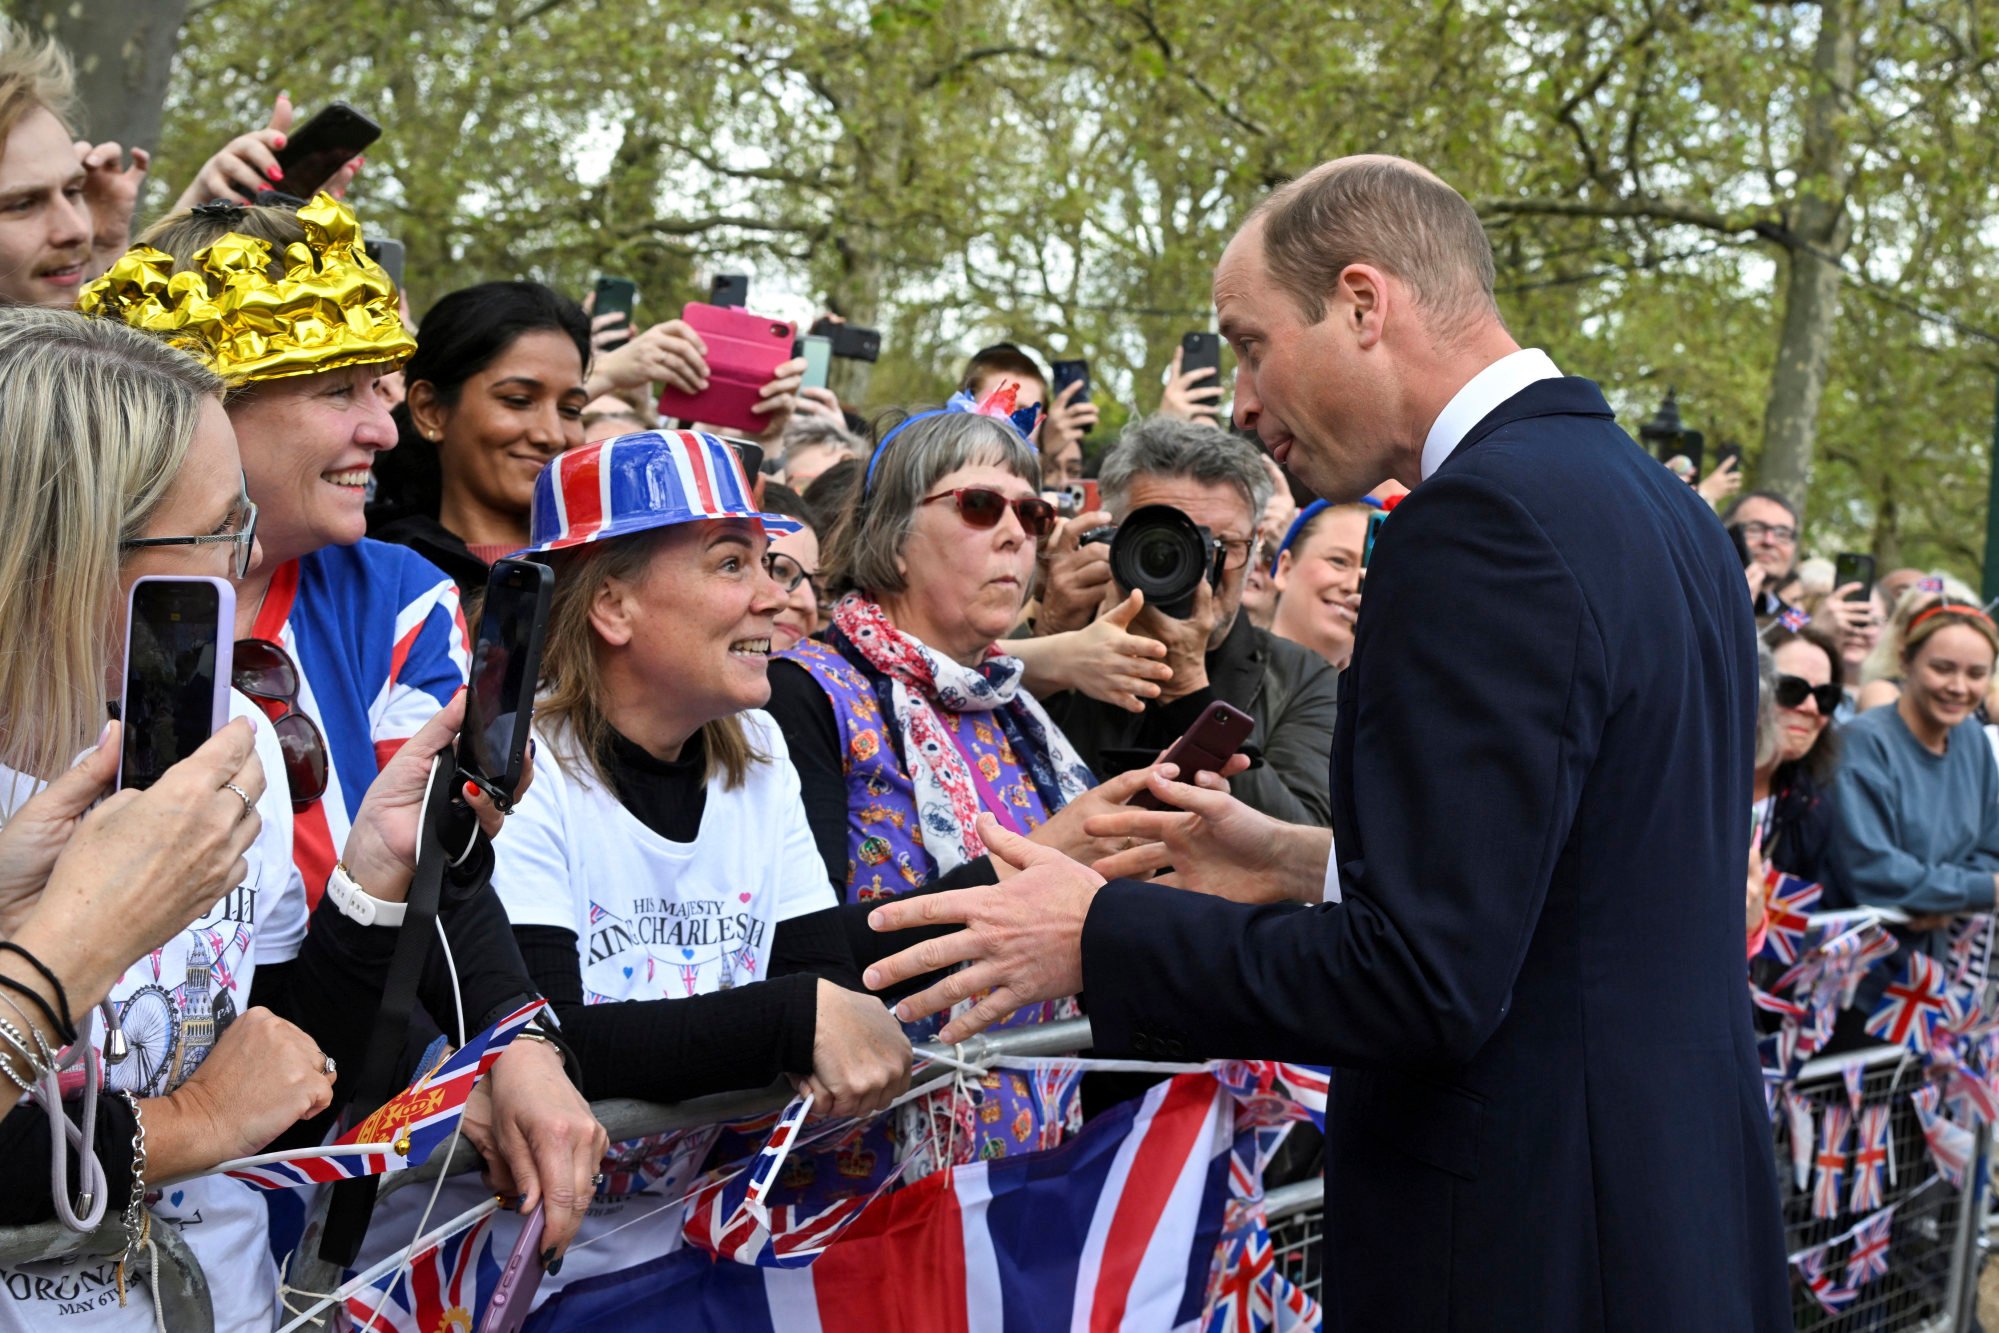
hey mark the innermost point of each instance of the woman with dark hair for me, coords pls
(1793, 783)
(494, 390)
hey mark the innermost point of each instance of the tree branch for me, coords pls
(1646, 208)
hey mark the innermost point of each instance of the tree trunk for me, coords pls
(1820, 229)
(123, 55)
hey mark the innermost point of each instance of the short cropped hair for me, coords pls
(1001, 359)
(1166, 447)
(868, 536)
(34, 72)
(1728, 514)
(1391, 214)
(811, 430)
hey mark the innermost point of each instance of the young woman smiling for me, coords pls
(494, 391)
(1918, 795)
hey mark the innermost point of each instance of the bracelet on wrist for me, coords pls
(356, 905)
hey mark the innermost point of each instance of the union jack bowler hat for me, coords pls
(650, 479)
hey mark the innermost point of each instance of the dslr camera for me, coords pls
(1161, 552)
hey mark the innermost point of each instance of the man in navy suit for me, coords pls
(1525, 957)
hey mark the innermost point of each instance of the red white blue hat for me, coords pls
(651, 479)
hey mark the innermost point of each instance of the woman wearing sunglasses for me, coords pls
(239, 1017)
(1793, 786)
(909, 719)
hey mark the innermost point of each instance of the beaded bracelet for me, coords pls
(136, 1208)
(36, 1065)
(66, 1029)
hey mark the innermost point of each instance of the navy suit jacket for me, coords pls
(1546, 1109)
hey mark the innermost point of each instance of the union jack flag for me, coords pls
(1829, 1293)
(1971, 950)
(1970, 1093)
(1852, 1076)
(316, 1170)
(1869, 1257)
(1826, 1196)
(1793, 618)
(1870, 1159)
(763, 1171)
(1950, 1143)
(1789, 904)
(1911, 1009)
(1272, 1092)
(1930, 583)
(440, 1290)
(1774, 1004)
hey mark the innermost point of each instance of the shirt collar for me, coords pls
(1483, 392)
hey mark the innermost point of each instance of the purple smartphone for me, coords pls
(180, 639)
(519, 1280)
(1210, 743)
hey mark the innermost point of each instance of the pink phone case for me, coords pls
(744, 352)
(519, 1280)
(225, 651)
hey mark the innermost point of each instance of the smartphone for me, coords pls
(1854, 567)
(1374, 522)
(387, 252)
(1198, 350)
(616, 296)
(320, 147)
(818, 353)
(1208, 744)
(730, 290)
(506, 670)
(744, 352)
(1725, 454)
(851, 342)
(180, 639)
(514, 1293)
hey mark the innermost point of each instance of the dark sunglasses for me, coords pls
(983, 508)
(266, 673)
(1792, 691)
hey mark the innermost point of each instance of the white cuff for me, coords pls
(1331, 893)
(355, 904)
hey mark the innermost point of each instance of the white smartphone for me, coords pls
(818, 354)
(179, 646)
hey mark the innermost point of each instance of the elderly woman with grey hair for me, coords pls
(910, 720)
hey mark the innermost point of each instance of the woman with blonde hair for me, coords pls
(1881, 671)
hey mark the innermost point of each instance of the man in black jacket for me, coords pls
(1218, 480)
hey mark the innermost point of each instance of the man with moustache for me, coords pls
(1524, 960)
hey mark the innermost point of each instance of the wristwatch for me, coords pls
(355, 904)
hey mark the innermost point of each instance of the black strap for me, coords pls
(353, 1201)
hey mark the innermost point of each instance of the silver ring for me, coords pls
(248, 804)
(327, 1065)
(597, 1179)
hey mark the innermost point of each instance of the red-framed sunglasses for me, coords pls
(266, 673)
(981, 507)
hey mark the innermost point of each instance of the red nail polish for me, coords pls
(471, 790)
(275, 173)
(280, 142)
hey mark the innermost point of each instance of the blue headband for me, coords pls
(1305, 516)
(960, 403)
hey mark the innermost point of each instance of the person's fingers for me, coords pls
(142, 161)
(1121, 614)
(781, 403)
(1204, 395)
(1237, 763)
(1069, 392)
(281, 113)
(610, 320)
(995, 1006)
(952, 907)
(251, 777)
(74, 792)
(218, 758)
(232, 173)
(489, 815)
(256, 152)
(439, 731)
(681, 330)
(1142, 861)
(1123, 787)
(942, 951)
(105, 155)
(948, 991)
(1134, 822)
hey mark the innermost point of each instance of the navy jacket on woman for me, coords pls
(1546, 1112)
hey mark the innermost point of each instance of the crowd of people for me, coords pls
(780, 685)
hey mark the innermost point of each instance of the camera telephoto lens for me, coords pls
(1161, 552)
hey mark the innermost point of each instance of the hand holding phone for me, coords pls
(506, 672)
(1208, 745)
(614, 296)
(744, 352)
(1854, 567)
(179, 648)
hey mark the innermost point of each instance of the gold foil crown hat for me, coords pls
(333, 308)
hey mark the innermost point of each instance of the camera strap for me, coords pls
(353, 1201)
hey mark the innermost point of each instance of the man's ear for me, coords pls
(1362, 300)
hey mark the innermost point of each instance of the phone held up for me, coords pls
(615, 296)
(1201, 351)
(180, 638)
(1854, 567)
(851, 342)
(335, 135)
(818, 353)
(1210, 743)
(1374, 522)
(744, 352)
(506, 669)
(1067, 373)
(730, 289)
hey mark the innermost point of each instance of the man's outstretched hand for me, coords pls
(1022, 941)
(1212, 843)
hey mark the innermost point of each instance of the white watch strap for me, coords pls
(355, 904)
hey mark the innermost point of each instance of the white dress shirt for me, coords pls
(1468, 406)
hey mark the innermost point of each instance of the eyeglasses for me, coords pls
(1792, 691)
(266, 673)
(788, 573)
(982, 508)
(242, 535)
(1776, 532)
(1240, 551)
